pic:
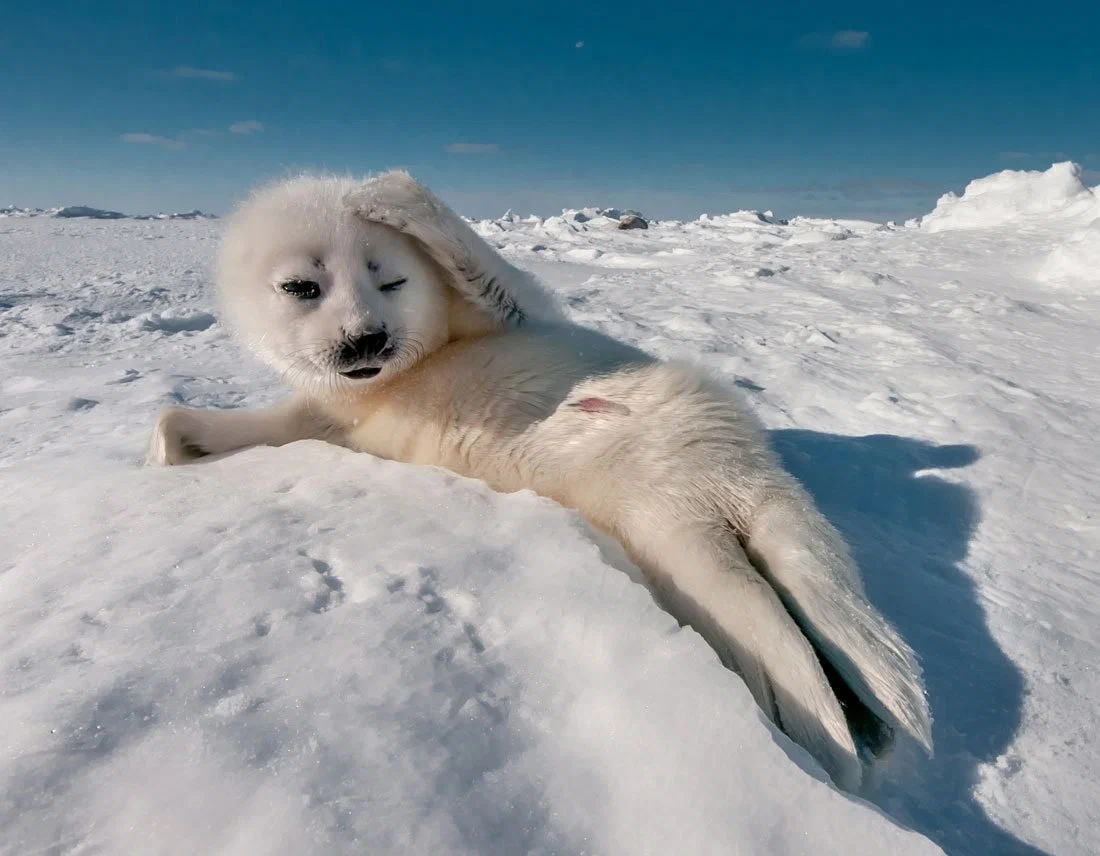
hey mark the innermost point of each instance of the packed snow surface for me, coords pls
(305, 650)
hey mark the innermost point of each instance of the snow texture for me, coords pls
(305, 650)
(1075, 259)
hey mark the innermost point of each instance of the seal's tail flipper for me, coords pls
(808, 564)
(703, 576)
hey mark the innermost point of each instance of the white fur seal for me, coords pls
(405, 335)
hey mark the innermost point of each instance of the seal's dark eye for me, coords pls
(303, 289)
(393, 286)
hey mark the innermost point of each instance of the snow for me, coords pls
(306, 650)
(1075, 259)
(394, 660)
(1013, 195)
(70, 211)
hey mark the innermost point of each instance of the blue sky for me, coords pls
(675, 108)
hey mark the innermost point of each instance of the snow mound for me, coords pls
(571, 222)
(591, 218)
(741, 218)
(92, 213)
(584, 215)
(308, 650)
(174, 321)
(16, 211)
(1077, 259)
(1010, 195)
(819, 236)
(194, 214)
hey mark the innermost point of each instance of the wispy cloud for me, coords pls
(186, 72)
(154, 140)
(250, 126)
(872, 188)
(839, 40)
(473, 148)
(850, 39)
(1051, 156)
(579, 45)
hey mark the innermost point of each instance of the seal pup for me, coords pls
(403, 334)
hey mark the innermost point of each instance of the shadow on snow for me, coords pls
(909, 530)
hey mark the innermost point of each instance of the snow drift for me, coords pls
(1012, 195)
(345, 655)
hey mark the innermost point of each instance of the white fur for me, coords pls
(492, 382)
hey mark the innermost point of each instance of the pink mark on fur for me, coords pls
(601, 405)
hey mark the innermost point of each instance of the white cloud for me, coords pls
(840, 40)
(153, 140)
(473, 148)
(186, 72)
(850, 39)
(580, 45)
(251, 126)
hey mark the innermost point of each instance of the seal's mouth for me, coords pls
(379, 359)
(361, 374)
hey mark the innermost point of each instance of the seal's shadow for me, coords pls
(909, 530)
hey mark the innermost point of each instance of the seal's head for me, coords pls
(340, 284)
(330, 300)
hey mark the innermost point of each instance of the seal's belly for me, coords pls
(573, 418)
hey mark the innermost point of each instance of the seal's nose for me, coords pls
(363, 346)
